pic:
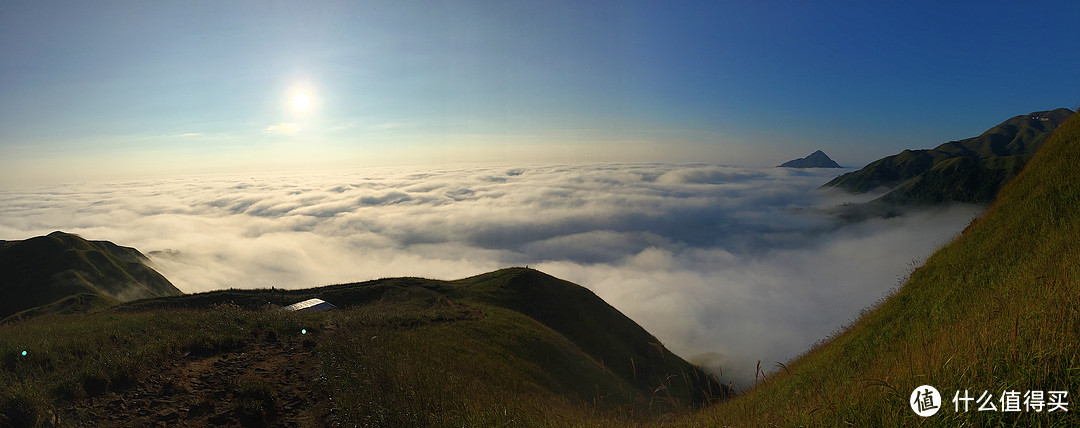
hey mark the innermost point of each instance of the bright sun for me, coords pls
(301, 102)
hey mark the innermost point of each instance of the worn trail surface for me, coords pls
(264, 383)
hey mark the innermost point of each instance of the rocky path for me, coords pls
(267, 383)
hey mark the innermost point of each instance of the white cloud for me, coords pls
(284, 128)
(388, 125)
(734, 264)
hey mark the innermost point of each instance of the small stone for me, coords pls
(168, 415)
(220, 419)
(169, 389)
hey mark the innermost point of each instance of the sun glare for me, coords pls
(301, 102)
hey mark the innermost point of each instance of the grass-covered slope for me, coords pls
(512, 347)
(602, 332)
(970, 170)
(51, 270)
(997, 309)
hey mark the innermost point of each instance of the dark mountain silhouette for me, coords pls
(817, 159)
(69, 273)
(970, 170)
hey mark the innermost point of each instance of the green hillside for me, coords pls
(970, 170)
(48, 270)
(511, 347)
(995, 310)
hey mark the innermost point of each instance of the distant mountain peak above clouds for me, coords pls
(818, 159)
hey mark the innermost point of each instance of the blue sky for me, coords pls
(110, 89)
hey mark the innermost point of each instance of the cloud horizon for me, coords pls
(725, 265)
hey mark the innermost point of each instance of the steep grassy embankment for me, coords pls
(998, 309)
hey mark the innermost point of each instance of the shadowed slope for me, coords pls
(603, 332)
(47, 269)
(970, 170)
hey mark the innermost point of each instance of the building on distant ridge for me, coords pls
(314, 305)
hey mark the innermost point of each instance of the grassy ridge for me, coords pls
(73, 357)
(402, 352)
(46, 269)
(501, 370)
(969, 170)
(997, 309)
(608, 336)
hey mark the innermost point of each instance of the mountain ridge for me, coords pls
(992, 311)
(47, 269)
(399, 352)
(969, 170)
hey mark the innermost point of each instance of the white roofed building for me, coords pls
(316, 305)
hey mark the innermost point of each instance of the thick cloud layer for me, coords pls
(725, 265)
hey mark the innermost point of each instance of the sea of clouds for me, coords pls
(725, 265)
